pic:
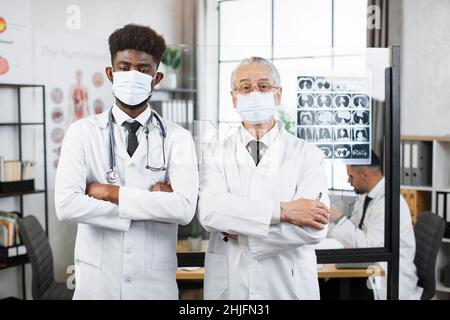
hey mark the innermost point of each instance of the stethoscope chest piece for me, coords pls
(112, 176)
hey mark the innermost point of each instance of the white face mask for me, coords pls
(256, 107)
(132, 87)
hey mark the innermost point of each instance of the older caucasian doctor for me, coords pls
(113, 180)
(263, 197)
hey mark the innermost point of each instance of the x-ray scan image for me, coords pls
(361, 151)
(306, 133)
(324, 101)
(343, 117)
(306, 83)
(342, 151)
(324, 134)
(361, 117)
(334, 112)
(327, 150)
(324, 118)
(323, 83)
(306, 118)
(305, 100)
(360, 101)
(343, 134)
(361, 134)
(342, 101)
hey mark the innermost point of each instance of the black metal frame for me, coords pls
(22, 260)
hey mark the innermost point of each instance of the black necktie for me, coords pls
(132, 127)
(366, 204)
(256, 147)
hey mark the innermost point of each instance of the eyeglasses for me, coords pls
(262, 86)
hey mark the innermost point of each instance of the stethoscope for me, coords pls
(112, 175)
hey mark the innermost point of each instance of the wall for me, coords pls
(98, 19)
(425, 67)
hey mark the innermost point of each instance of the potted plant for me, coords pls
(195, 237)
(172, 61)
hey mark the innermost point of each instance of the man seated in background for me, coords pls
(365, 227)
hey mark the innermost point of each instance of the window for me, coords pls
(295, 35)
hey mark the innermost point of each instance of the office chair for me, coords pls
(429, 230)
(44, 286)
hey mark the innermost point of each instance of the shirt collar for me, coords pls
(267, 139)
(378, 190)
(120, 117)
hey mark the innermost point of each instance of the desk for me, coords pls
(328, 271)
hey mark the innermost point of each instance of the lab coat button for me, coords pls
(127, 279)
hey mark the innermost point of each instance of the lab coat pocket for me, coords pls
(164, 245)
(89, 244)
(305, 283)
(216, 276)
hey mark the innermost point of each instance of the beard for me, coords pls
(137, 106)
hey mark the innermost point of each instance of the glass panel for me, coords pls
(301, 27)
(350, 23)
(245, 29)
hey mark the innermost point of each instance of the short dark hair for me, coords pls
(375, 162)
(137, 37)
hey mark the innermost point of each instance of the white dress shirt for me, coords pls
(371, 235)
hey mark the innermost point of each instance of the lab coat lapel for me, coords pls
(102, 122)
(271, 161)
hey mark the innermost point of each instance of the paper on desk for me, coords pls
(189, 268)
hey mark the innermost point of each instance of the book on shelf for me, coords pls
(9, 229)
(15, 170)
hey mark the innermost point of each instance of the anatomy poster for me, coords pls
(16, 51)
(334, 112)
(76, 85)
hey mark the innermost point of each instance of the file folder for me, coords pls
(421, 163)
(407, 163)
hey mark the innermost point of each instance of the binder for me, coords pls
(407, 163)
(421, 163)
(440, 204)
(402, 171)
(447, 216)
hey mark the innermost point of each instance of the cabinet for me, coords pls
(23, 137)
(425, 197)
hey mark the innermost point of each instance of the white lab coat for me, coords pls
(126, 251)
(372, 235)
(274, 261)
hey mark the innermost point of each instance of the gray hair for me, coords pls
(256, 60)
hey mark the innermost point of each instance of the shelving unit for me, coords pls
(440, 182)
(188, 95)
(20, 260)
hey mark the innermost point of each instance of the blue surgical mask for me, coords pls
(256, 107)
